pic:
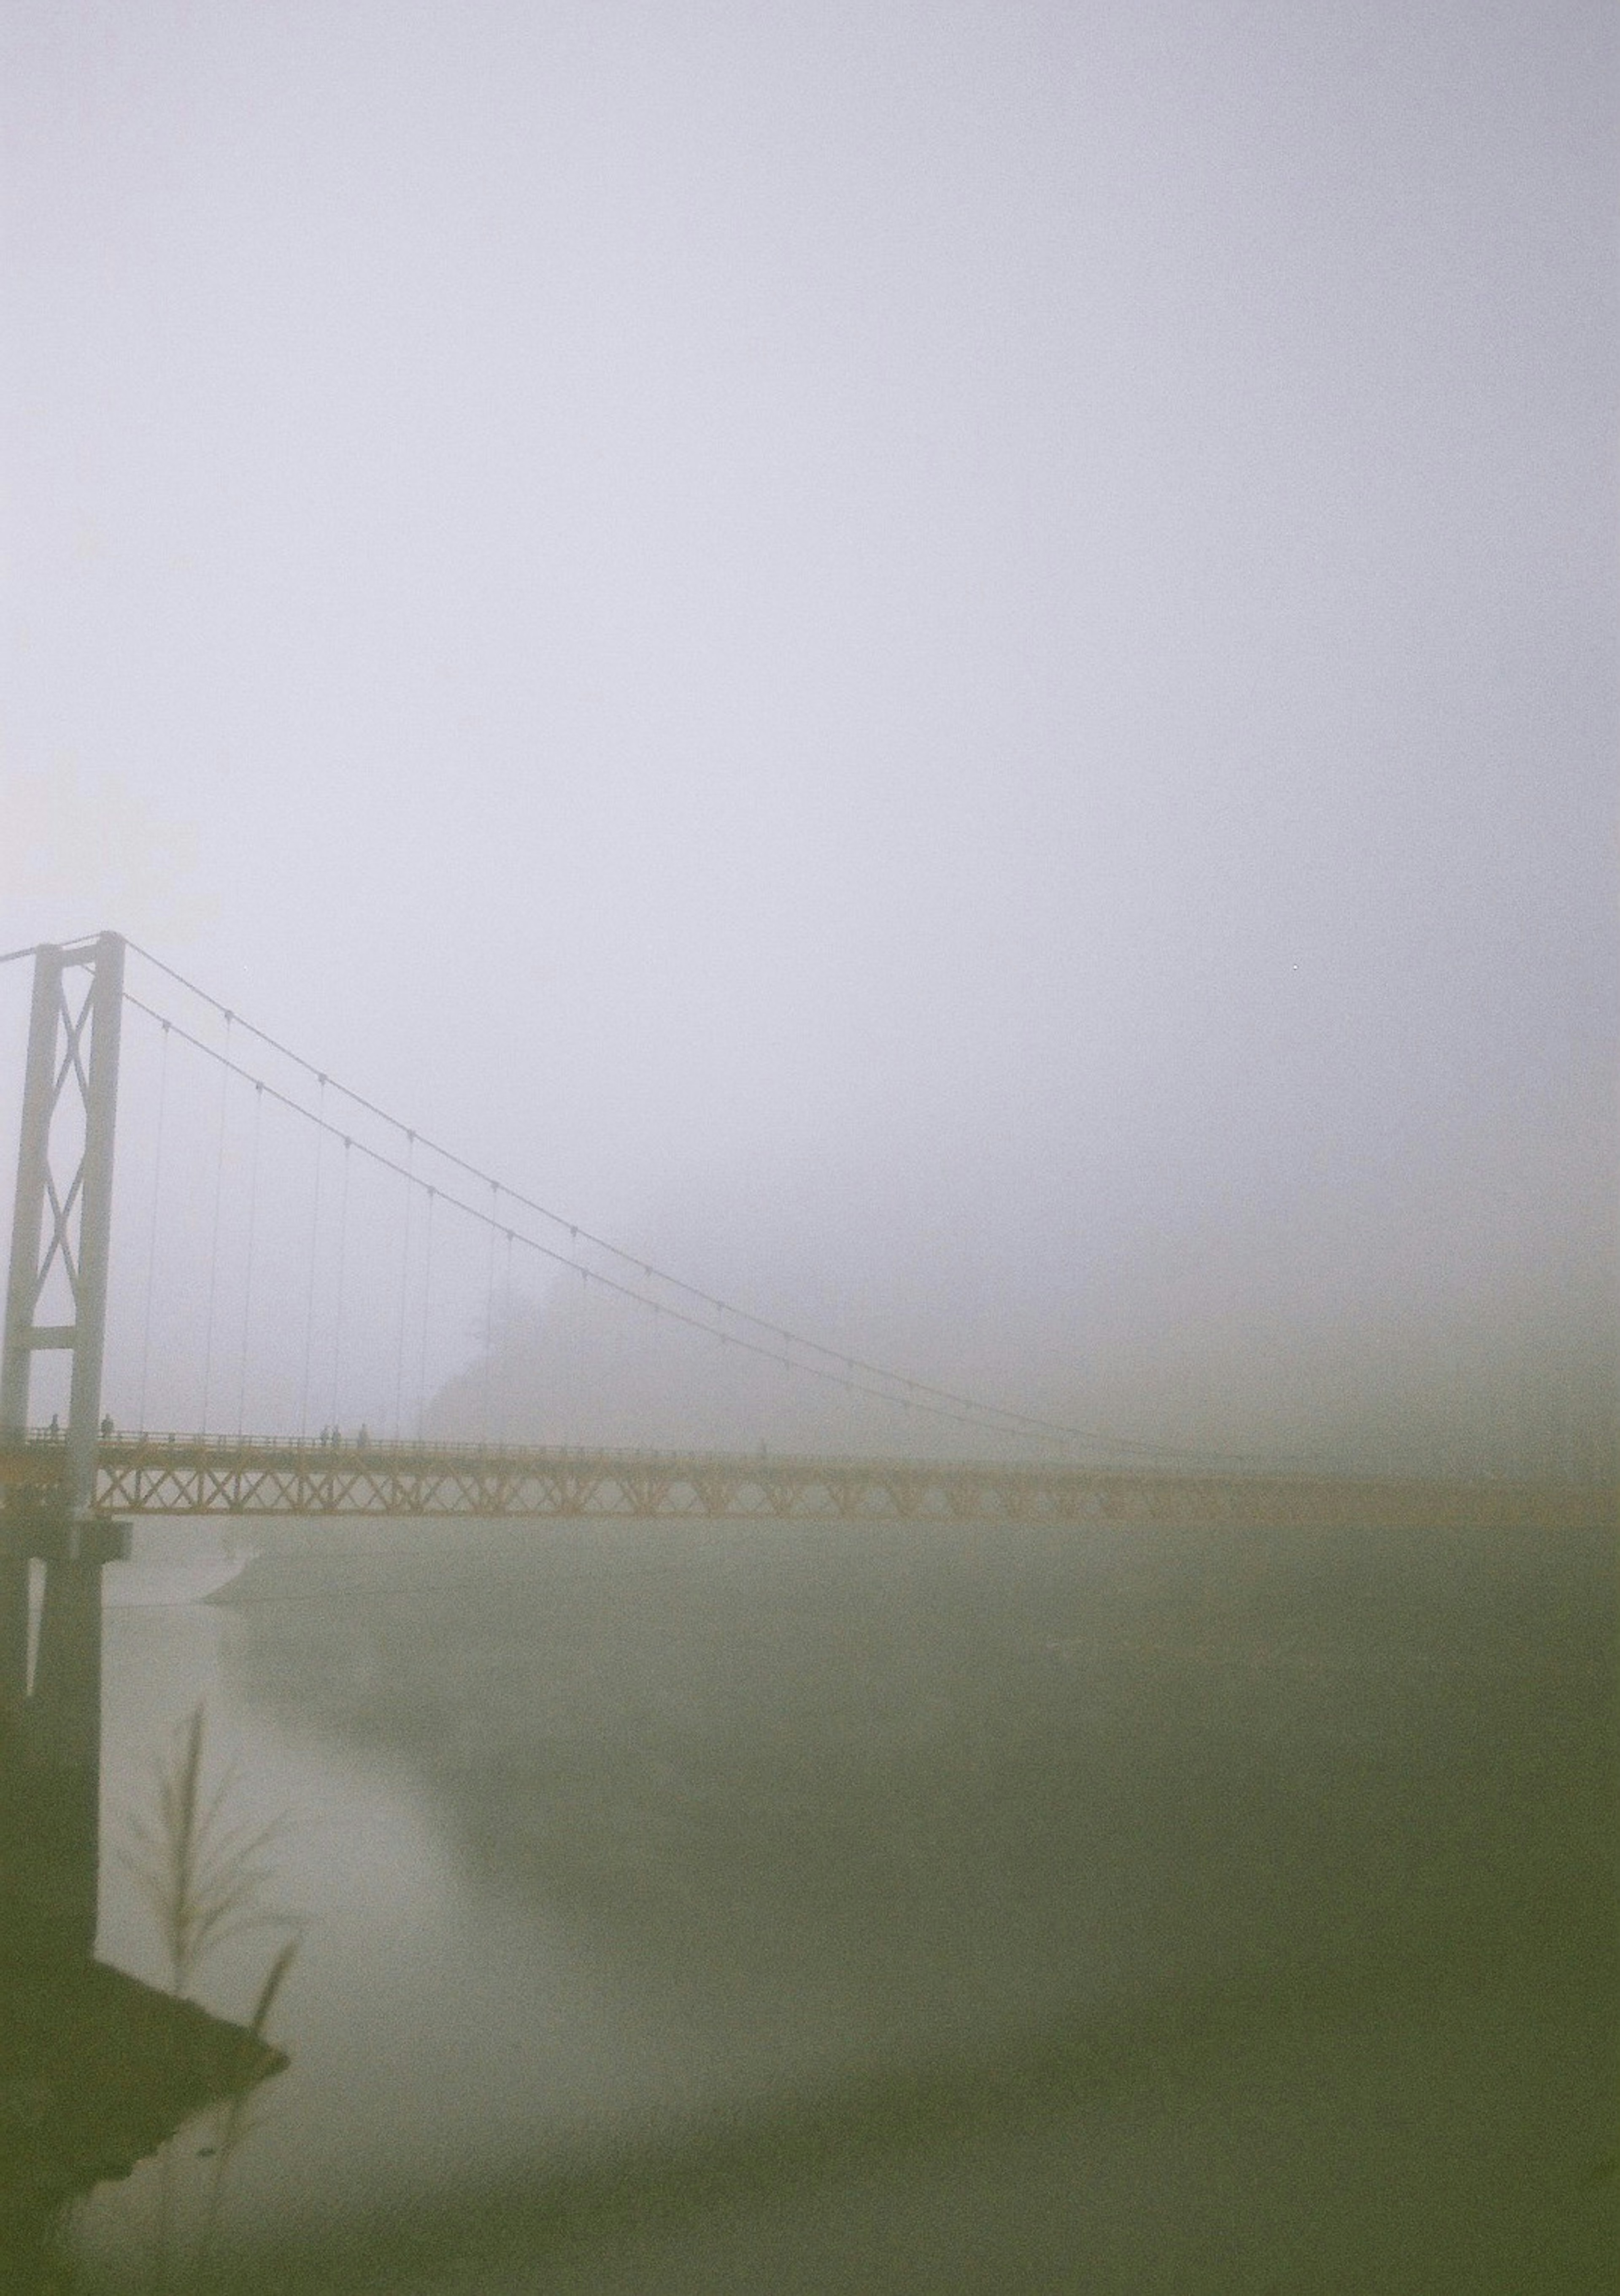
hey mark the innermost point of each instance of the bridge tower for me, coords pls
(51, 1729)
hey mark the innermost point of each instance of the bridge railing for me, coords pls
(42, 1443)
(126, 1439)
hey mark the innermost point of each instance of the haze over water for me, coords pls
(951, 672)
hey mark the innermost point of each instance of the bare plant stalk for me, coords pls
(205, 1880)
(236, 2124)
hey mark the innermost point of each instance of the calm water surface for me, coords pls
(433, 2020)
(720, 1909)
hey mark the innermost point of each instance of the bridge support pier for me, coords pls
(13, 1642)
(61, 1754)
(50, 1734)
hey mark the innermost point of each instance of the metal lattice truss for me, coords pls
(61, 1208)
(143, 1475)
(61, 1182)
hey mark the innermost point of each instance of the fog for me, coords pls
(952, 669)
(929, 692)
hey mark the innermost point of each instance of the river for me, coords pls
(713, 1907)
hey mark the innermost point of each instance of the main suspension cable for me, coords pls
(852, 1373)
(849, 1384)
(1026, 1421)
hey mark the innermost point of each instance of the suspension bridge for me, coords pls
(303, 1291)
(287, 1253)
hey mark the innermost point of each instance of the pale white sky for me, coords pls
(955, 664)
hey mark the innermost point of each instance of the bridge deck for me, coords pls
(211, 1476)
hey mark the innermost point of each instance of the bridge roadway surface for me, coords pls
(225, 1475)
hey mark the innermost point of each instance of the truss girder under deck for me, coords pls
(214, 1477)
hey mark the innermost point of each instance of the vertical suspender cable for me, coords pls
(427, 1302)
(246, 1285)
(505, 1390)
(404, 1281)
(151, 1232)
(315, 1239)
(494, 1193)
(337, 1334)
(207, 1338)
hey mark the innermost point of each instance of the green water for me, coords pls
(700, 1907)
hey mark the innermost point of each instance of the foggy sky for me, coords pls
(954, 665)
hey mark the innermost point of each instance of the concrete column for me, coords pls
(62, 1752)
(13, 1642)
